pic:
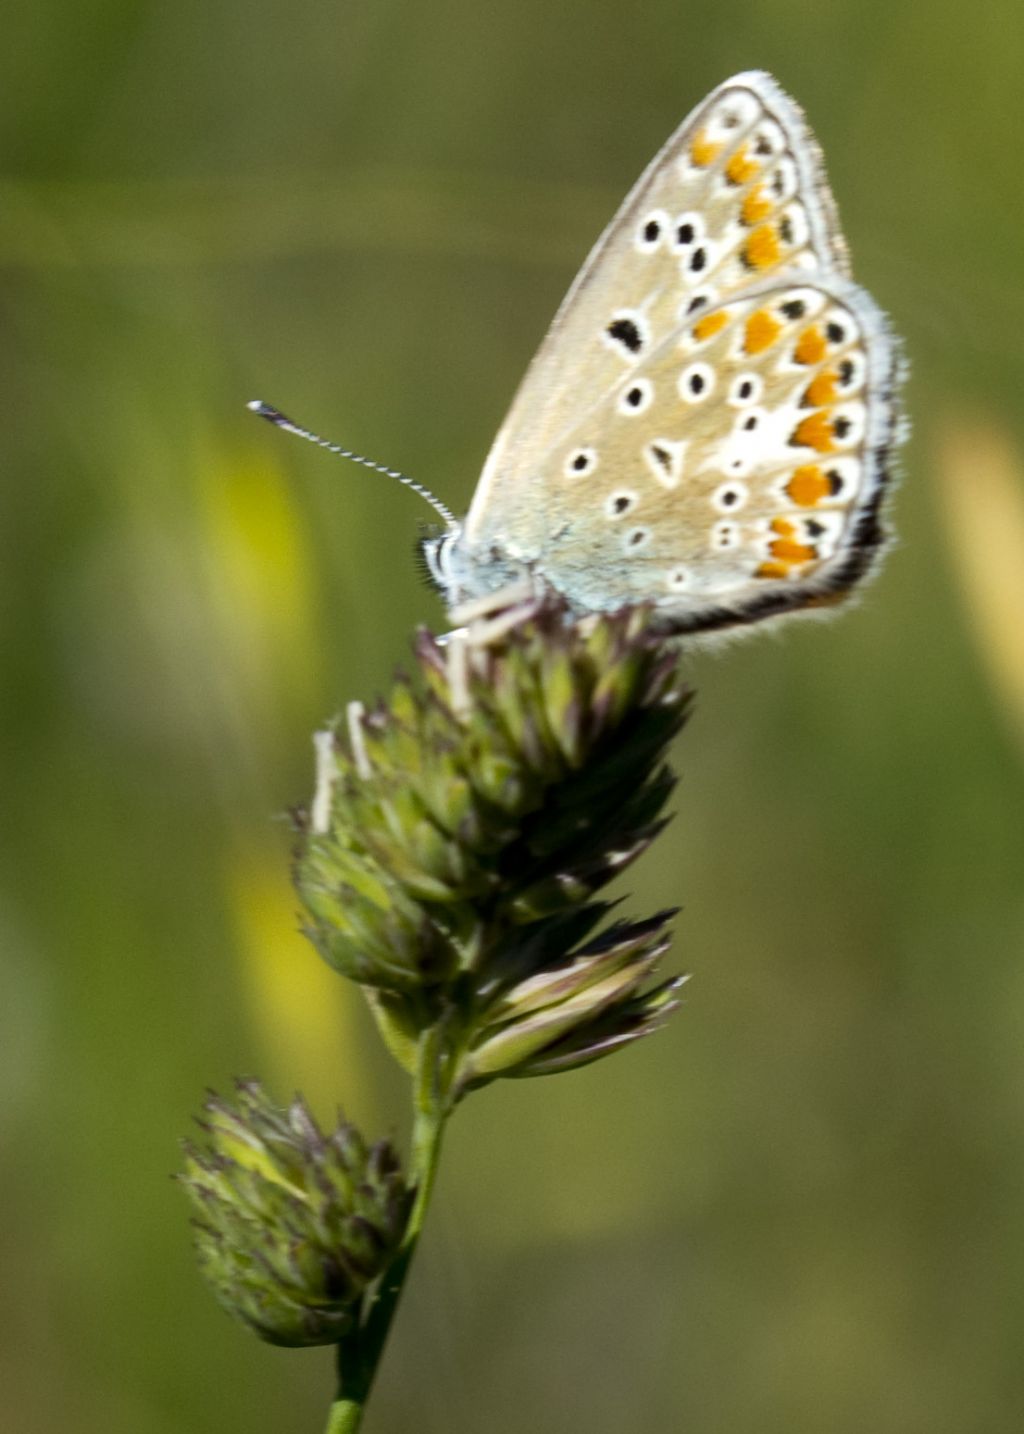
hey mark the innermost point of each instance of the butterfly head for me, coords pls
(460, 571)
(434, 548)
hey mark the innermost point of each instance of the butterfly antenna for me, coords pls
(276, 417)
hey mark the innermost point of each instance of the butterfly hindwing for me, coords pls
(733, 469)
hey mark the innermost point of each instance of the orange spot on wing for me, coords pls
(762, 250)
(814, 431)
(808, 486)
(785, 549)
(703, 150)
(811, 346)
(822, 391)
(709, 325)
(762, 331)
(772, 570)
(756, 206)
(741, 167)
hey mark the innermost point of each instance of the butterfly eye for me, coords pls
(435, 556)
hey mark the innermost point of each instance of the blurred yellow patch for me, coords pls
(982, 481)
(260, 564)
(306, 1015)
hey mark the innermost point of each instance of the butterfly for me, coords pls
(708, 424)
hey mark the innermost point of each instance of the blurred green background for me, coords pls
(801, 1208)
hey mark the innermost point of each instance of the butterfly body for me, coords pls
(707, 425)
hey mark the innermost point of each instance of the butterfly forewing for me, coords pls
(711, 214)
(703, 425)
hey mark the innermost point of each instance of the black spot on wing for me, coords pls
(626, 331)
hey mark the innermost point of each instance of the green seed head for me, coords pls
(465, 826)
(291, 1224)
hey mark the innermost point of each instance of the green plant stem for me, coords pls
(345, 1416)
(360, 1353)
